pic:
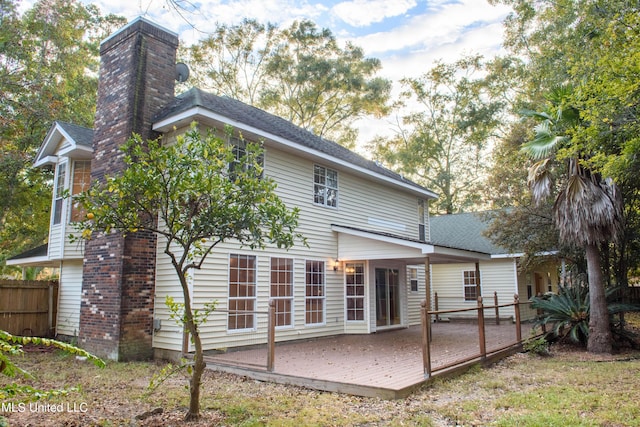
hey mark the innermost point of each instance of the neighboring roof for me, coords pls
(33, 257)
(237, 113)
(41, 250)
(463, 231)
(79, 138)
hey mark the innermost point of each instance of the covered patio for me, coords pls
(386, 364)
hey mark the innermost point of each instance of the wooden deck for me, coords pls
(385, 364)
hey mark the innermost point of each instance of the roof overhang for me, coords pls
(358, 244)
(36, 257)
(36, 261)
(207, 117)
(50, 150)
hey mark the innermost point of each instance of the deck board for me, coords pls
(386, 364)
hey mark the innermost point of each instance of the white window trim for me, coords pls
(410, 279)
(337, 188)
(324, 294)
(463, 287)
(65, 186)
(293, 291)
(363, 297)
(255, 297)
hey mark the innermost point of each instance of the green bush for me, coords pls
(568, 311)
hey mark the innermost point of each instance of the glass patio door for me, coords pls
(387, 297)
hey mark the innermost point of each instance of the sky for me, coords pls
(408, 36)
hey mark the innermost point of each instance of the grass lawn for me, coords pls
(569, 388)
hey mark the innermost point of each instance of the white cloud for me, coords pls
(442, 26)
(360, 13)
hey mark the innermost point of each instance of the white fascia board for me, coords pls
(502, 256)
(45, 152)
(192, 114)
(32, 261)
(521, 254)
(424, 247)
(75, 148)
(45, 161)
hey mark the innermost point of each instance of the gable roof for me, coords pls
(463, 231)
(202, 106)
(79, 143)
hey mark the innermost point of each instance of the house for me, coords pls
(370, 251)
(499, 272)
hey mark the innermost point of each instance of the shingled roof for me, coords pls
(239, 112)
(80, 134)
(463, 231)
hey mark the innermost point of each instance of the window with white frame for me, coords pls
(314, 292)
(282, 290)
(413, 279)
(239, 151)
(242, 292)
(422, 227)
(354, 282)
(325, 186)
(61, 175)
(470, 280)
(79, 184)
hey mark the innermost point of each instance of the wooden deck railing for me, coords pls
(426, 317)
(437, 298)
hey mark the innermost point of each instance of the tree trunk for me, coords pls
(196, 376)
(199, 365)
(600, 339)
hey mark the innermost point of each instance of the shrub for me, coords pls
(568, 311)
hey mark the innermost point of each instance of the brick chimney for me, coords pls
(137, 79)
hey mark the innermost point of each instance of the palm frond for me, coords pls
(586, 212)
(540, 180)
(544, 143)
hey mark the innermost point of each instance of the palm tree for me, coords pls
(587, 209)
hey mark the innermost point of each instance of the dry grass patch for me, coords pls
(570, 388)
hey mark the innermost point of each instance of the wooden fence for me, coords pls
(28, 307)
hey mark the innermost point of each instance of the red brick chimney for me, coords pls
(137, 79)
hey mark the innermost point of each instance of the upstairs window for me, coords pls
(80, 183)
(239, 151)
(58, 192)
(325, 186)
(422, 227)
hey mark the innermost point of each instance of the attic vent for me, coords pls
(182, 72)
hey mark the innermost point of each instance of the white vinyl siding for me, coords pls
(495, 276)
(69, 295)
(359, 201)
